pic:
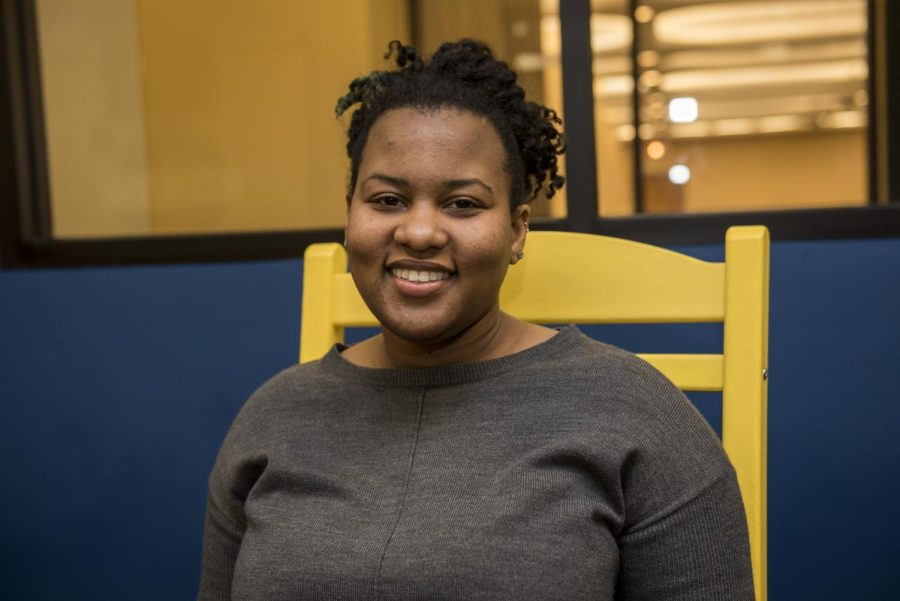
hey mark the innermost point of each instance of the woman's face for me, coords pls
(429, 230)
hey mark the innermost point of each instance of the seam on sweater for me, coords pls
(412, 457)
(676, 506)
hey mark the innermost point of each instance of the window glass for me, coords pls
(742, 105)
(611, 43)
(166, 117)
(524, 33)
(171, 117)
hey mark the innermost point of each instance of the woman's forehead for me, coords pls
(414, 127)
(446, 137)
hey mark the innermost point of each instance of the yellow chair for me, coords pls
(580, 278)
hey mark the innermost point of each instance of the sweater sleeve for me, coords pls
(240, 462)
(697, 551)
(221, 543)
(235, 472)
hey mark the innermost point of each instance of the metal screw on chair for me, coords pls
(765, 374)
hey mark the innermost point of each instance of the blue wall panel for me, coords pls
(117, 386)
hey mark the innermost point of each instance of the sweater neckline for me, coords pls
(566, 339)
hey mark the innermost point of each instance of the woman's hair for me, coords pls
(463, 75)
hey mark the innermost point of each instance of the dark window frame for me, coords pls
(874, 220)
(26, 220)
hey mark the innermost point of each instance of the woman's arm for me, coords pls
(221, 543)
(697, 550)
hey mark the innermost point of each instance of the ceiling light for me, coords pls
(679, 174)
(683, 110)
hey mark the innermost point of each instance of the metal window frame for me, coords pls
(26, 219)
(875, 220)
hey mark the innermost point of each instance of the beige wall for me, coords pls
(615, 168)
(448, 20)
(93, 111)
(776, 172)
(240, 107)
(205, 116)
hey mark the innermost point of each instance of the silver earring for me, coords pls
(520, 255)
(526, 226)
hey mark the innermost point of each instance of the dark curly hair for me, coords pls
(463, 75)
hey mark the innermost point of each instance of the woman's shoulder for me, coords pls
(586, 360)
(292, 380)
(617, 393)
(279, 397)
(637, 414)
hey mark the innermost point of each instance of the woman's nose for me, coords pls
(421, 228)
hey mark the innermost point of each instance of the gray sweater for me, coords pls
(571, 470)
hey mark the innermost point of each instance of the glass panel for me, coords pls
(611, 43)
(749, 105)
(524, 33)
(169, 117)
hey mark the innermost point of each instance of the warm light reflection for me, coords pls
(724, 23)
(648, 58)
(846, 119)
(656, 150)
(644, 13)
(768, 76)
(610, 32)
(625, 132)
(734, 127)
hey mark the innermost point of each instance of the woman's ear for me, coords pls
(520, 231)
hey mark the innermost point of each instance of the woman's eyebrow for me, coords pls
(450, 184)
(459, 183)
(394, 181)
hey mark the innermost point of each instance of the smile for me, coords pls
(412, 275)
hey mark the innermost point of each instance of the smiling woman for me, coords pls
(462, 453)
(444, 158)
(442, 216)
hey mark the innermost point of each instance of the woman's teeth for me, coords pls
(419, 276)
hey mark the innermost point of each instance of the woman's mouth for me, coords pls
(412, 275)
(418, 282)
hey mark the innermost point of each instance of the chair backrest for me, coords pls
(581, 278)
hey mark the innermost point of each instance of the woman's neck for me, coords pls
(494, 335)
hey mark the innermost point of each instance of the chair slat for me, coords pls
(744, 419)
(674, 288)
(698, 373)
(579, 278)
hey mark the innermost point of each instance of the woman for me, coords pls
(462, 453)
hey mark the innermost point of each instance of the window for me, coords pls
(661, 207)
(770, 95)
(166, 117)
(138, 131)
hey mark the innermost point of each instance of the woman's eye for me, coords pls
(463, 204)
(388, 200)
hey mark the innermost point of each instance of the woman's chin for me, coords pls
(420, 332)
(427, 327)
